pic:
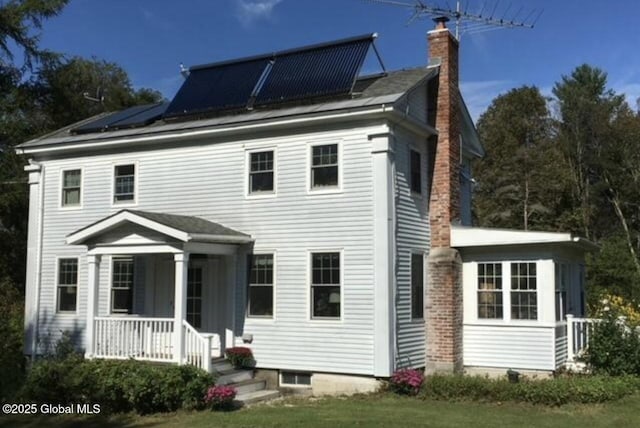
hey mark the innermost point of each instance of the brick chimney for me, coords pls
(444, 276)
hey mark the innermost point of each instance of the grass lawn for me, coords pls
(368, 411)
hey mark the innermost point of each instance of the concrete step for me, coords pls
(220, 364)
(256, 396)
(227, 377)
(248, 386)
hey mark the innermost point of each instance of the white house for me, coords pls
(286, 203)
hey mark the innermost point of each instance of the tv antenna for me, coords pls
(98, 98)
(490, 17)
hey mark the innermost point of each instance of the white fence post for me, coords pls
(570, 353)
(229, 338)
(206, 354)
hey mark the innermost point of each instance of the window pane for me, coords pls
(124, 183)
(417, 286)
(125, 170)
(490, 291)
(67, 297)
(68, 272)
(122, 286)
(325, 155)
(325, 268)
(71, 178)
(324, 176)
(326, 302)
(261, 182)
(121, 300)
(261, 301)
(262, 161)
(71, 197)
(416, 172)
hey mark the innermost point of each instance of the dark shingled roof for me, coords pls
(394, 82)
(189, 224)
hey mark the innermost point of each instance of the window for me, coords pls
(261, 285)
(124, 183)
(324, 166)
(194, 296)
(562, 283)
(325, 285)
(490, 290)
(417, 286)
(524, 305)
(261, 172)
(295, 379)
(416, 172)
(67, 285)
(122, 286)
(71, 187)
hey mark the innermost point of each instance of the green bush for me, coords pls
(614, 347)
(553, 391)
(118, 386)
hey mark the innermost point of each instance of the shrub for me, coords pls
(240, 357)
(558, 391)
(220, 397)
(406, 381)
(118, 386)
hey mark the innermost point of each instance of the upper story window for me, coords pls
(122, 285)
(261, 286)
(325, 285)
(71, 187)
(324, 166)
(261, 172)
(490, 291)
(524, 296)
(416, 172)
(67, 285)
(124, 183)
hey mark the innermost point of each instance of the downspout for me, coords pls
(34, 338)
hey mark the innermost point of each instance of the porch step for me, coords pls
(227, 377)
(251, 385)
(256, 396)
(220, 365)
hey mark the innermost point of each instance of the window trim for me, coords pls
(78, 206)
(324, 320)
(247, 172)
(133, 286)
(57, 279)
(136, 179)
(419, 194)
(327, 190)
(271, 318)
(417, 252)
(295, 385)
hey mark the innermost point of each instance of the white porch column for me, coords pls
(181, 261)
(92, 302)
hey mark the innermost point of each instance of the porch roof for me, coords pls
(179, 227)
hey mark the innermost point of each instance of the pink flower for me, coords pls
(220, 396)
(407, 381)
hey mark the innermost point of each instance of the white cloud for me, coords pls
(250, 11)
(478, 95)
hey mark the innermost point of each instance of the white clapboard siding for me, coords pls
(207, 179)
(412, 235)
(507, 347)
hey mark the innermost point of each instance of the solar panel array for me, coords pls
(129, 118)
(322, 70)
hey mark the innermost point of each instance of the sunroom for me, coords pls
(161, 287)
(521, 289)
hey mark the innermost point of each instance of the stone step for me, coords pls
(227, 377)
(248, 386)
(256, 396)
(220, 364)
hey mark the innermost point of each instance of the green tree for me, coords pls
(520, 180)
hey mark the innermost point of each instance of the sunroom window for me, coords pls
(524, 295)
(490, 291)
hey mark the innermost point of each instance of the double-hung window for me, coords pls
(417, 286)
(71, 187)
(324, 166)
(67, 285)
(416, 172)
(325, 285)
(122, 285)
(490, 291)
(260, 303)
(124, 183)
(524, 296)
(261, 172)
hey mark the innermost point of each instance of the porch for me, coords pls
(160, 287)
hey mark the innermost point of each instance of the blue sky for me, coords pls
(150, 38)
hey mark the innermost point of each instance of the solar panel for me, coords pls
(217, 87)
(128, 118)
(328, 70)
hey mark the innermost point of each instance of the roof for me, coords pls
(465, 237)
(369, 91)
(180, 227)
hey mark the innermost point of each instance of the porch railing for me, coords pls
(579, 330)
(199, 348)
(127, 337)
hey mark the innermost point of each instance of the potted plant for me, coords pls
(240, 357)
(220, 397)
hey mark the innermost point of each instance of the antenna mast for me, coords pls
(490, 17)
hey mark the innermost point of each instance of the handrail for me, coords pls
(197, 347)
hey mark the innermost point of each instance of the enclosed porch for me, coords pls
(160, 287)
